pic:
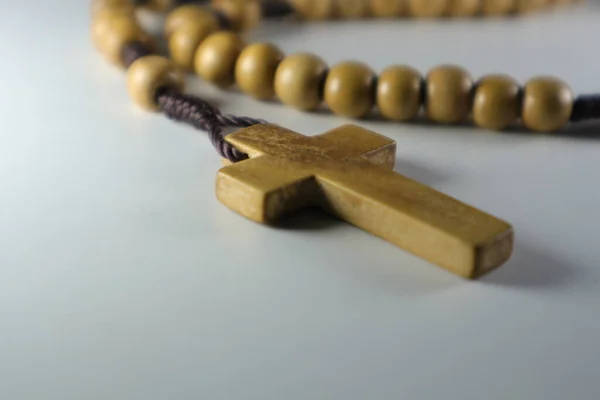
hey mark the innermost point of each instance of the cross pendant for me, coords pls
(348, 172)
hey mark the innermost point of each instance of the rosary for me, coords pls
(271, 171)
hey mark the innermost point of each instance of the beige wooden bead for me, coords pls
(190, 14)
(298, 80)
(530, 6)
(243, 15)
(101, 23)
(216, 57)
(112, 13)
(351, 9)
(119, 6)
(150, 73)
(498, 7)
(547, 104)
(448, 94)
(349, 89)
(158, 5)
(387, 8)
(110, 34)
(185, 40)
(399, 95)
(255, 70)
(464, 8)
(496, 103)
(314, 9)
(428, 8)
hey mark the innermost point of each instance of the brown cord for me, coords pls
(276, 8)
(134, 50)
(586, 107)
(195, 111)
(270, 8)
(204, 116)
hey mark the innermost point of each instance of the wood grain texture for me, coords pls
(348, 172)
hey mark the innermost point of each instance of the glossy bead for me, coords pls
(158, 5)
(498, 7)
(496, 102)
(110, 34)
(387, 8)
(190, 14)
(298, 80)
(448, 94)
(216, 57)
(399, 95)
(185, 40)
(349, 89)
(547, 104)
(464, 8)
(351, 9)
(255, 70)
(427, 8)
(529, 6)
(314, 9)
(111, 6)
(243, 15)
(150, 73)
(102, 22)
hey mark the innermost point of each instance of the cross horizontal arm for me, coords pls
(263, 189)
(353, 141)
(348, 141)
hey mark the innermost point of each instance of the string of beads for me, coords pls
(209, 41)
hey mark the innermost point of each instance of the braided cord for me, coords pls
(202, 115)
(195, 111)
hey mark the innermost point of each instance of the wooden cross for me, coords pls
(348, 172)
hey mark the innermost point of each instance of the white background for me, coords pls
(122, 277)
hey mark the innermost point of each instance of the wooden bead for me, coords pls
(104, 20)
(298, 80)
(314, 9)
(464, 8)
(399, 94)
(448, 94)
(496, 102)
(428, 8)
(498, 7)
(190, 14)
(158, 5)
(150, 73)
(184, 42)
(255, 70)
(243, 15)
(110, 34)
(547, 104)
(111, 6)
(529, 6)
(216, 57)
(387, 8)
(102, 23)
(349, 89)
(351, 9)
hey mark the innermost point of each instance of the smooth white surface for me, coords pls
(122, 277)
